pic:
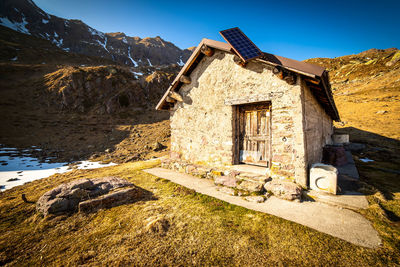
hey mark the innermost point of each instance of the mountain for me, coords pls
(75, 36)
(366, 88)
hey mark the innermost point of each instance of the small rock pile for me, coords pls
(87, 195)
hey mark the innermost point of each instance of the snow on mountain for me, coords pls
(75, 36)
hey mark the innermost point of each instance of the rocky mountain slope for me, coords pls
(75, 106)
(75, 36)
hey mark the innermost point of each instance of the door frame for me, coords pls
(236, 129)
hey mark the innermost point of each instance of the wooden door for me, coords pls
(254, 134)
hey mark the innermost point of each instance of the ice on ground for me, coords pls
(366, 160)
(22, 169)
(136, 74)
(16, 26)
(104, 45)
(180, 63)
(96, 32)
(129, 55)
(58, 42)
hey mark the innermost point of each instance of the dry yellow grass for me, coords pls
(199, 230)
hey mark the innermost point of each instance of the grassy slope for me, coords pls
(367, 92)
(202, 231)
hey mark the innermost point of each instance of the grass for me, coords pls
(201, 231)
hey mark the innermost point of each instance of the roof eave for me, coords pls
(211, 43)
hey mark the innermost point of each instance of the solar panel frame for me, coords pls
(241, 44)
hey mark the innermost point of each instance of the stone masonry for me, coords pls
(202, 129)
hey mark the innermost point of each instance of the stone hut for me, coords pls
(271, 111)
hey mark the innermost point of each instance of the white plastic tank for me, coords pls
(323, 178)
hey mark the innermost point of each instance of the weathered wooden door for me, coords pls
(254, 134)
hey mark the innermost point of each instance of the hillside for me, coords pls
(366, 88)
(75, 106)
(73, 35)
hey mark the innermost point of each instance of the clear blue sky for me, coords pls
(294, 29)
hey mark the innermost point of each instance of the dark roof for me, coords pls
(320, 87)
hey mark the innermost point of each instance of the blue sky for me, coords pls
(295, 29)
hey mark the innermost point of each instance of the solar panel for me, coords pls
(242, 45)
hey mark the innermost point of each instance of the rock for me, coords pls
(110, 200)
(97, 193)
(394, 60)
(12, 179)
(256, 199)
(355, 147)
(381, 112)
(250, 186)
(227, 190)
(157, 146)
(284, 189)
(229, 181)
(108, 150)
(334, 155)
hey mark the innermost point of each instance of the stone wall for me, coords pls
(202, 126)
(318, 128)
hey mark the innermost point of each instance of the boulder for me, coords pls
(229, 181)
(250, 186)
(110, 200)
(284, 189)
(87, 195)
(227, 190)
(334, 155)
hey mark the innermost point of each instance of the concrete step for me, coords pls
(348, 199)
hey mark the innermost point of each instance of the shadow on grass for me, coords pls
(383, 173)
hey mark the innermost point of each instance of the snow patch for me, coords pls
(66, 49)
(366, 160)
(14, 59)
(16, 26)
(149, 63)
(58, 43)
(129, 56)
(180, 63)
(104, 45)
(55, 35)
(45, 21)
(124, 40)
(27, 168)
(136, 74)
(96, 32)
